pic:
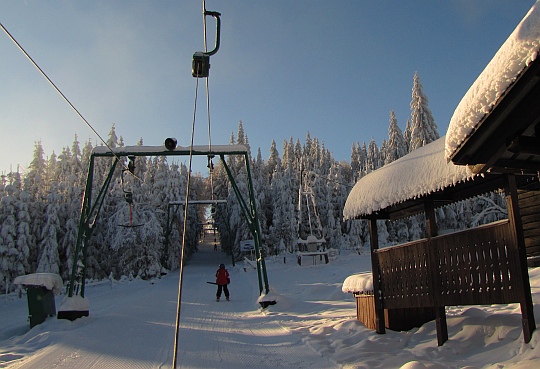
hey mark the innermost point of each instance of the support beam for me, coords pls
(258, 239)
(89, 215)
(253, 221)
(522, 272)
(378, 294)
(440, 313)
(525, 145)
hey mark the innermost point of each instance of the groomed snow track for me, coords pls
(141, 316)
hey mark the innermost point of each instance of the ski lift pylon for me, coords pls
(305, 190)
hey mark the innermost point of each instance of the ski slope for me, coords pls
(132, 325)
(313, 325)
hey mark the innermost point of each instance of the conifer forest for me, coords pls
(40, 209)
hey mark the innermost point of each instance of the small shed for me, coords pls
(361, 286)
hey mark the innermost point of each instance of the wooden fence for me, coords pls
(473, 267)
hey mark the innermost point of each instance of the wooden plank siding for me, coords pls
(365, 310)
(529, 204)
(474, 268)
(394, 319)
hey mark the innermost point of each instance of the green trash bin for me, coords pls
(40, 290)
(40, 304)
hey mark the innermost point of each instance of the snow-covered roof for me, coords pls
(419, 173)
(358, 283)
(519, 50)
(50, 281)
(311, 239)
(179, 150)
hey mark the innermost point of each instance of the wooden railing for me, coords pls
(472, 267)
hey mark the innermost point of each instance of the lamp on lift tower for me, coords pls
(170, 143)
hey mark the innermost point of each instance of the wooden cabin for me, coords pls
(492, 143)
(480, 266)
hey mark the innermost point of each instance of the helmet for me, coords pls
(221, 266)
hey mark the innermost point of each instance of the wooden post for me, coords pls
(514, 216)
(377, 292)
(440, 313)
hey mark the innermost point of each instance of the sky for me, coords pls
(333, 69)
(312, 325)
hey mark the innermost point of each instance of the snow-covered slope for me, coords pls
(313, 325)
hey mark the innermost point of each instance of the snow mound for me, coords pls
(75, 303)
(422, 172)
(271, 296)
(518, 51)
(358, 283)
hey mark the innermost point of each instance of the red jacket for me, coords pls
(222, 276)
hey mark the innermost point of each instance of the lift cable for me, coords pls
(188, 184)
(210, 156)
(186, 203)
(63, 96)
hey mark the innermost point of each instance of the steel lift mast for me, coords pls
(91, 207)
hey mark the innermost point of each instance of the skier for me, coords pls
(222, 280)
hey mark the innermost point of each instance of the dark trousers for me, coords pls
(225, 289)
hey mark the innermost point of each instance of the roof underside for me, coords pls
(453, 193)
(496, 126)
(508, 138)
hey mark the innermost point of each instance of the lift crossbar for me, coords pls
(201, 150)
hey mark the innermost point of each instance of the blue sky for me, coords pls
(333, 68)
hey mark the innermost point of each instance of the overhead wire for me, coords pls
(210, 157)
(36, 65)
(186, 202)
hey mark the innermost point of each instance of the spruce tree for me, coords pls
(49, 259)
(372, 158)
(11, 258)
(423, 127)
(396, 147)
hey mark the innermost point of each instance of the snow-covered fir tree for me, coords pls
(11, 257)
(40, 219)
(423, 127)
(396, 146)
(49, 259)
(373, 157)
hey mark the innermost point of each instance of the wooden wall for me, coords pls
(529, 204)
(394, 319)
